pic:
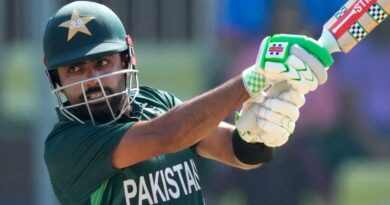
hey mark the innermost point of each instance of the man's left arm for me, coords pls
(274, 121)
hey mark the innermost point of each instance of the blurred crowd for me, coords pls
(344, 121)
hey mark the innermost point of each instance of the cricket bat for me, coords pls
(343, 31)
(352, 23)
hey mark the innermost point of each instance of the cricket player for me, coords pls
(117, 143)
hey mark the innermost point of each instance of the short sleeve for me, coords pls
(162, 97)
(171, 99)
(78, 157)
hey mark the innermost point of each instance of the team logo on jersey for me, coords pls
(163, 185)
(77, 24)
(276, 50)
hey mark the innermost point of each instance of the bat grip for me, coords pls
(329, 41)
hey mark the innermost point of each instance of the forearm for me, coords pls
(193, 120)
(218, 146)
(180, 127)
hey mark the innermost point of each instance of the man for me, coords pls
(118, 143)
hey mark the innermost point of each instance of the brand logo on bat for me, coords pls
(350, 17)
(361, 4)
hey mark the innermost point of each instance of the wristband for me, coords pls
(250, 153)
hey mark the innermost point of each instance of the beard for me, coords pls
(100, 110)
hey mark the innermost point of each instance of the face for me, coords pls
(92, 69)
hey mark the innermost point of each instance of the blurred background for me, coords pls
(339, 154)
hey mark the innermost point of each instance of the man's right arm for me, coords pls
(192, 121)
(181, 127)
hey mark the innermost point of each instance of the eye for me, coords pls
(102, 62)
(73, 69)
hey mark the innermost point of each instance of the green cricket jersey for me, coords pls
(78, 157)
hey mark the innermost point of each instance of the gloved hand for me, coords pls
(300, 60)
(271, 120)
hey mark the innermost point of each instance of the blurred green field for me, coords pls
(176, 68)
(363, 182)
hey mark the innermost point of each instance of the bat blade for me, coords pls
(352, 23)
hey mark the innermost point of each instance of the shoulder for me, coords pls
(74, 152)
(148, 91)
(70, 138)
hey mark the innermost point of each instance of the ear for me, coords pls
(125, 60)
(55, 78)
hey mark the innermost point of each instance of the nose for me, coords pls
(92, 75)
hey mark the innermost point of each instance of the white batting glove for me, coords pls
(299, 60)
(272, 121)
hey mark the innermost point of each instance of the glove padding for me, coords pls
(302, 75)
(272, 120)
(300, 60)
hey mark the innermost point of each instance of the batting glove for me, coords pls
(300, 60)
(271, 121)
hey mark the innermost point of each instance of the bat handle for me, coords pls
(329, 41)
